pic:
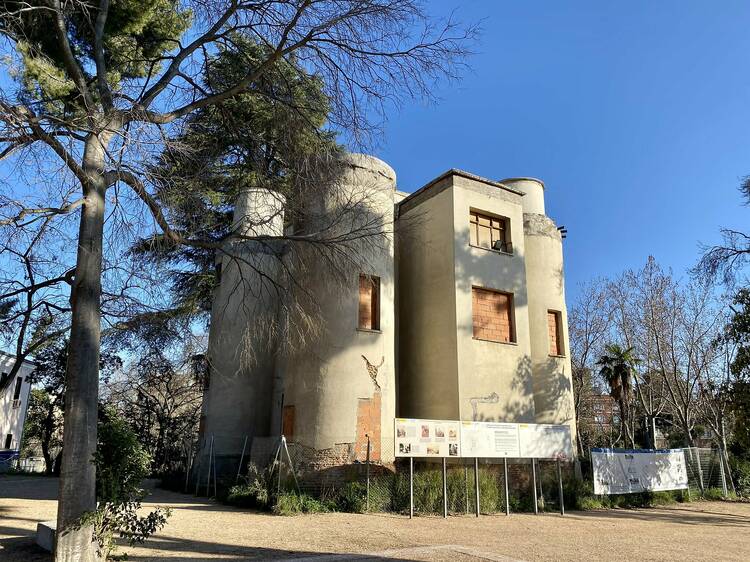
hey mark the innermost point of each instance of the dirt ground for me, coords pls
(201, 530)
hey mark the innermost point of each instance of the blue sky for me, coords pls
(635, 114)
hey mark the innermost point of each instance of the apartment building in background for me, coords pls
(14, 400)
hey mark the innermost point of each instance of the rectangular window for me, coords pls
(492, 315)
(489, 232)
(17, 391)
(8, 440)
(554, 325)
(369, 302)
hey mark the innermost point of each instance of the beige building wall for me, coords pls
(444, 371)
(428, 361)
(494, 377)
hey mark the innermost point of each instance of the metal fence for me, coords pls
(707, 470)
(422, 486)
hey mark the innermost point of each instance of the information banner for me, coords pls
(627, 471)
(489, 440)
(545, 441)
(427, 438)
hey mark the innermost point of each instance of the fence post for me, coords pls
(189, 469)
(242, 458)
(700, 470)
(505, 480)
(466, 489)
(208, 476)
(445, 490)
(533, 483)
(216, 494)
(411, 487)
(723, 475)
(559, 477)
(367, 476)
(476, 483)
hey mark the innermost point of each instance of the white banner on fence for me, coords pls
(441, 438)
(490, 440)
(427, 438)
(627, 471)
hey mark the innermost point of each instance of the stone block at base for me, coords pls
(45, 535)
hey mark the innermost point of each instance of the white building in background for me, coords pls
(14, 400)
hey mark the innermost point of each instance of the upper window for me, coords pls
(492, 315)
(554, 325)
(369, 302)
(489, 232)
(17, 391)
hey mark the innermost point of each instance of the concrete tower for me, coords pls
(237, 402)
(341, 387)
(548, 318)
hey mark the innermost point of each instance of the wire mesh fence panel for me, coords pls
(705, 469)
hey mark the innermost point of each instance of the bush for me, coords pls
(121, 461)
(741, 475)
(121, 465)
(257, 490)
(294, 504)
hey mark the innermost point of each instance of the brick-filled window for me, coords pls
(287, 422)
(369, 302)
(554, 325)
(486, 231)
(492, 315)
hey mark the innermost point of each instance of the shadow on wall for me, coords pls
(517, 410)
(556, 384)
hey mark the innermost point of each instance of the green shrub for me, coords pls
(293, 504)
(121, 465)
(717, 494)
(741, 476)
(256, 491)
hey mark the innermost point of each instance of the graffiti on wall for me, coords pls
(489, 399)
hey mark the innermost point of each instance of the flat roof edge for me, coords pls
(463, 174)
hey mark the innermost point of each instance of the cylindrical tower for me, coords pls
(548, 319)
(237, 402)
(340, 389)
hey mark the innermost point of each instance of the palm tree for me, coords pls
(616, 367)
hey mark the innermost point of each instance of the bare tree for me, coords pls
(589, 326)
(160, 397)
(102, 96)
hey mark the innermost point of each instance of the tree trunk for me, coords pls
(77, 495)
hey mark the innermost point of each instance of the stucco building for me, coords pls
(459, 314)
(14, 399)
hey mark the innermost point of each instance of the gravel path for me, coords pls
(201, 531)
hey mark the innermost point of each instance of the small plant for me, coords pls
(122, 518)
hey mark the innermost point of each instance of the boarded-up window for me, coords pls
(555, 332)
(489, 232)
(287, 422)
(369, 302)
(492, 315)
